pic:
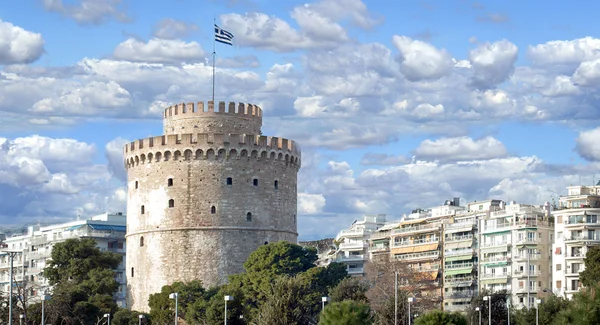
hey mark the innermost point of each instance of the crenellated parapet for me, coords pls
(202, 146)
(198, 117)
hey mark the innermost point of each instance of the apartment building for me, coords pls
(35, 246)
(515, 245)
(353, 243)
(577, 228)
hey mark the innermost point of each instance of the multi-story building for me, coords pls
(577, 228)
(515, 249)
(352, 243)
(35, 247)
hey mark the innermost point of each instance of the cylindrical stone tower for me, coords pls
(204, 195)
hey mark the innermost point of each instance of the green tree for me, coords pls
(583, 309)
(128, 317)
(591, 274)
(162, 308)
(236, 309)
(346, 312)
(285, 303)
(349, 289)
(438, 317)
(548, 311)
(499, 307)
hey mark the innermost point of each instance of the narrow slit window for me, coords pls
(136, 185)
(249, 216)
(229, 181)
(255, 182)
(142, 241)
(171, 203)
(213, 210)
(276, 184)
(142, 209)
(170, 182)
(132, 274)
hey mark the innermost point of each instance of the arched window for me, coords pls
(142, 241)
(249, 216)
(136, 185)
(213, 210)
(142, 209)
(132, 272)
(255, 182)
(170, 182)
(229, 181)
(276, 184)
(266, 243)
(171, 203)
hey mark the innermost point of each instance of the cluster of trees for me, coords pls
(281, 285)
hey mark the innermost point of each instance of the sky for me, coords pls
(397, 105)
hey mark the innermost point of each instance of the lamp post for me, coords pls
(478, 310)
(108, 317)
(323, 301)
(44, 298)
(227, 298)
(395, 297)
(21, 319)
(410, 300)
(508, 309)
(537, 311)
(489, 300)
(141, 317)
(11, 257)
(175, 295)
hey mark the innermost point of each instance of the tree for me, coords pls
(346, 312)
(162, 308)
(438, 317)
(583, 309)
(548, 311)
(590, 275)
(499, 306)
(284, 304)
(349, 289)
(128, 317)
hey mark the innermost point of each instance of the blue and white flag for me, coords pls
(223, 36)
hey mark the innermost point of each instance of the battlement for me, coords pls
(243, 110)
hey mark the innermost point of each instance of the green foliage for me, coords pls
(591, 274)
(583, 309)
(285, 303)
(346, 312)
(385, 312)
(162, 308)
(549, 309)
(349, 289)
(128, 317)
(215, 313)
(499, 307)
(438, 317)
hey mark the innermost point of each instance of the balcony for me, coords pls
(459, 266)
(421, 228)
(461, 224)
(521, 274)
(523, 257)
(418, 256)
(458, 238)
(352, 233)
(416, 242)
(460, 252)
(456, 281)
(350, 258)
(376, 248)
(494, 275)
(495, 259)
(582, 237)
(496, 244)
(355, 270)
(575, 255)
(353, 245)
(501, 227)
(524, 241)
(462, 294)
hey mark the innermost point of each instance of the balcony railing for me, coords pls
(350, 258)
(496, 227)
(461, 224)
(459, 265)
(532, 257)
(501, 258)
(352, 232)
(502, 243)
(575, 255)
(525, 273)
(416, 228)
(352, 245)
(494, 275)
(355, 270)
(583, 237)
(458, 238)
(529, 241)
(459, 279)
(414, 256)
(416, 242)
(463, 294)
(459, 252)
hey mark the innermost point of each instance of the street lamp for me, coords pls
(21, 319)
(227, 298)
(478, 310)
(395, 297)
(11, 257)
(141, 317)
(108, 317)
(410, 300)
(323, 301)
(44, 298)
(489, 300)
(175, 295)
(537, 311)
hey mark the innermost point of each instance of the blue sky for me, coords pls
(396, 104)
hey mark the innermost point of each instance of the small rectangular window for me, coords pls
(170, 182)
(229, 181)
(255, 182)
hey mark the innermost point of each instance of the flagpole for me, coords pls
(214, 54)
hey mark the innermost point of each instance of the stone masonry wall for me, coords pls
(230, 194)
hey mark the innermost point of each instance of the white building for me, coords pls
(577, 229)
(35, 247)
(515, 253)
(353, 243)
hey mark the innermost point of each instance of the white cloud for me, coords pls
(310, 203)
(493, 63)
(461, 148)
(159, 51)
(114, 155)
(171, 29)
(88, 11)
(564, 56)
(18, 45)
(588, 145)
(588, 73)
(420, 60)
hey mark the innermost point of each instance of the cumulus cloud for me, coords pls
(310, 203)
(461, 148)
(588, 146)
(168, 28)
(85, 12)
(18, 45)
(493, 63)
(420, 60)
(564, 56)
(114, 155)
(159, 51)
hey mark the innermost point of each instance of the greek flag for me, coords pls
(223, 36)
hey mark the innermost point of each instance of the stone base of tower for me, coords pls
(186, 254)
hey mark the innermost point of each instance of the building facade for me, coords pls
(353, 243)
(577, 228)
(35, 247)
(204, 195)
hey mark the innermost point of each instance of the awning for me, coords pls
(74, 227)
(412, 222)
(426, 248)
(527, 246)
(493, 249)
(496, 232)
(459, 271)
(461, 229)
(465, 244)
(402, 250)
(558, 251)
(432, 275)
(496, 264)
(458, 258)
(380, 240)
(107, 227)
(494, 281)
(451, 246)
